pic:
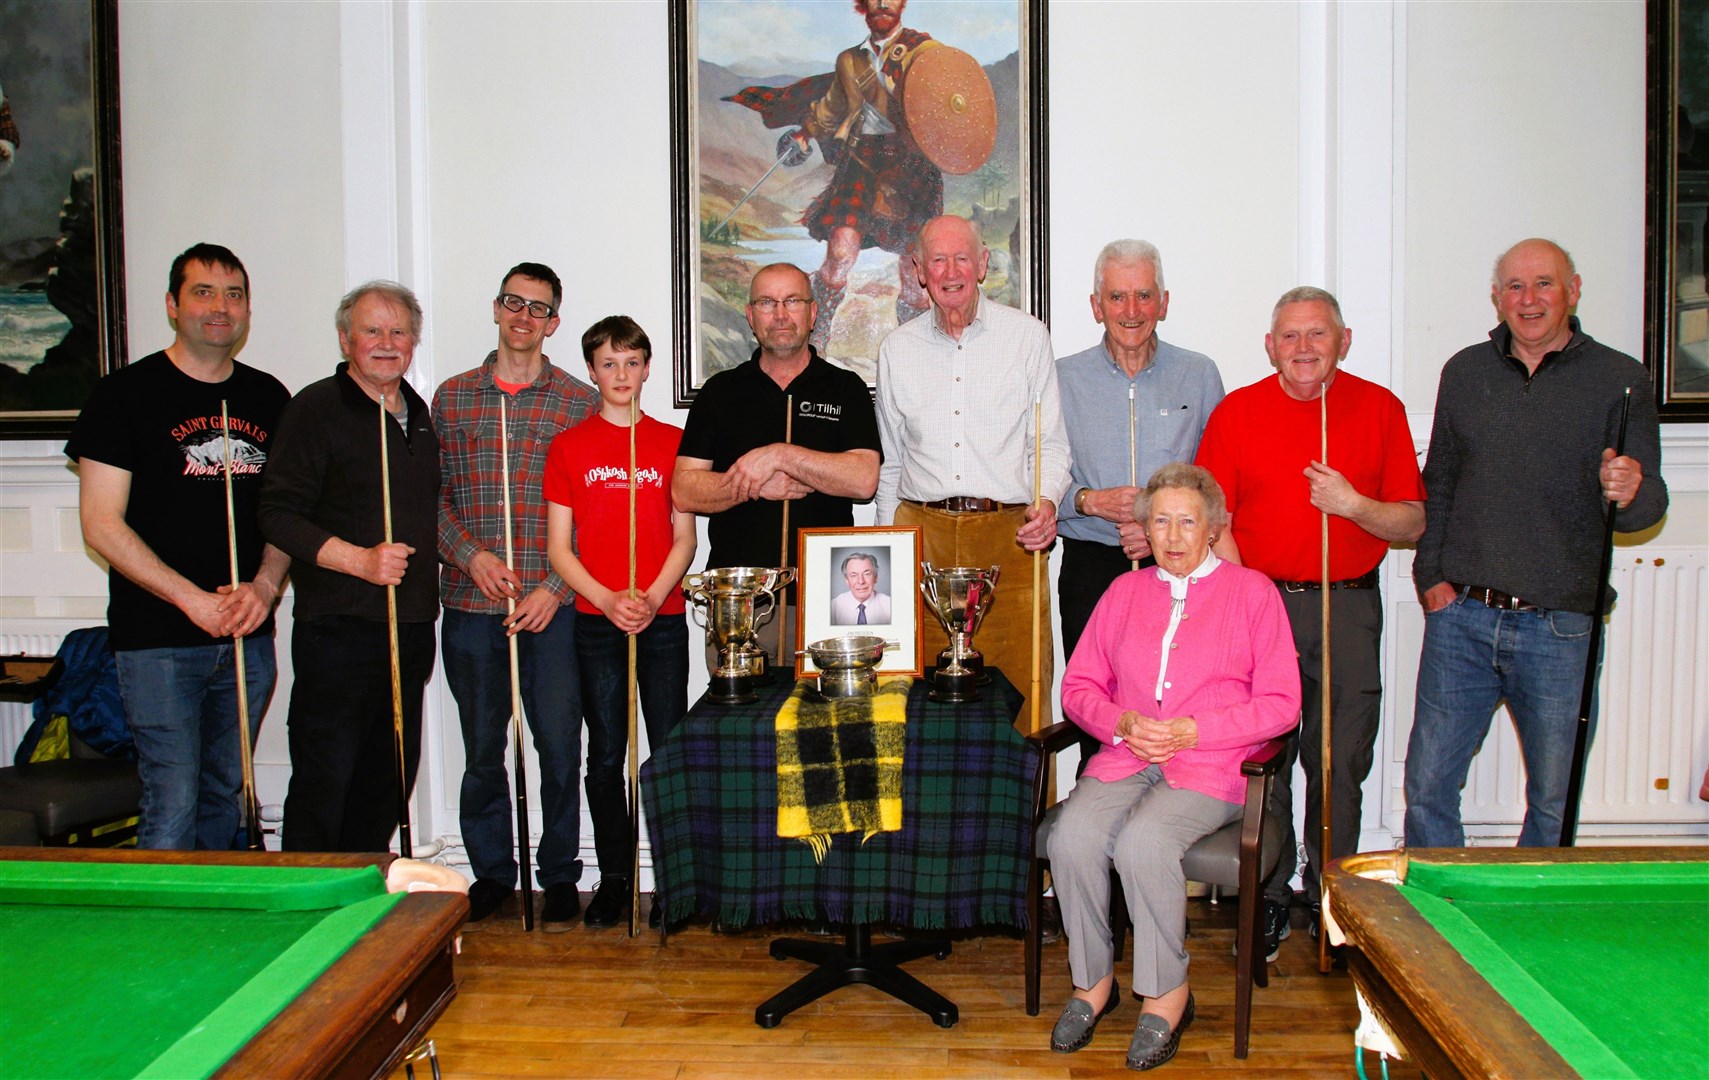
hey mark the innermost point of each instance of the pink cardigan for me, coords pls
(1233, 669)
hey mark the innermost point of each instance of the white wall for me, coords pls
(1387, 151)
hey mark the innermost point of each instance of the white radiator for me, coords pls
(1652, 738)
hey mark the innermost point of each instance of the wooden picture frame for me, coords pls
(821, 585)
(724, 57)
(1676, 278)
(62, 261)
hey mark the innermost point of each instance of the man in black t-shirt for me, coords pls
(151, 456)
(734, 464)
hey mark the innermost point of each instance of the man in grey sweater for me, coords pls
(1521, 468)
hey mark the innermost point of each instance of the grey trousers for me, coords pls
(1142, 826)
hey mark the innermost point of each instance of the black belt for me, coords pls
(966, 504)
(1368, 581)
(1494, 598)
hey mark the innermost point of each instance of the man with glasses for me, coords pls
(787, 426)
(540, 400)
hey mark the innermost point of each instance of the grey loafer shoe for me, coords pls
(1153, 1043)
(1074, 1027)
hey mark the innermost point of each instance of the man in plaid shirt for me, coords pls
(540, 400)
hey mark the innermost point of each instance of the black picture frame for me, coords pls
(43, 402)
(688, 360)
(1676, 226)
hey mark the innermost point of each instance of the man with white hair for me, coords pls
(321, 503)
(1264, 444)
(1133, 403)
(957, 388)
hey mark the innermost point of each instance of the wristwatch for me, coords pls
(1080, 501)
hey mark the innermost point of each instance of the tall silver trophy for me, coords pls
(959, 596)
(732, 603)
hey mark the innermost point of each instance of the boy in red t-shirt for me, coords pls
(587, 500)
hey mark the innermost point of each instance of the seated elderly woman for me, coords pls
(1182, 671)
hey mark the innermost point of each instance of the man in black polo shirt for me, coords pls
(735, 465)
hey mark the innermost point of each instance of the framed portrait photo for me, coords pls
(861, 580)
(825, 134)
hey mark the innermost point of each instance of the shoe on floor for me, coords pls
(486, 896)
(1276, 930)
(655, 913)
(1153, 1043)
(610, 904)
(1074, 1027)
(563, 903)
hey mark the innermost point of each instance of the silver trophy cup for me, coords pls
(959, 596)
(732, 603)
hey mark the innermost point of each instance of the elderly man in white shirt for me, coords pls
(957, 388)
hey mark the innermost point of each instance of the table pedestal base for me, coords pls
(857, 961)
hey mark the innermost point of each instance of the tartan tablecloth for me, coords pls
(960, 859)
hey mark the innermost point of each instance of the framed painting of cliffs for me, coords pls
(61, 241)
(824, 134)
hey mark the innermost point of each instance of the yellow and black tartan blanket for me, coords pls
(839, 764)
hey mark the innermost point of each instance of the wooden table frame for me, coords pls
(1449, 1020)
(363, 1016)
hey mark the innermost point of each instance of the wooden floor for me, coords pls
(601, 1004)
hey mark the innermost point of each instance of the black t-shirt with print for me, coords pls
(163, 427)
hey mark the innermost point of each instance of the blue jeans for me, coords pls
(1473, 657)
(181, 704)
(477, 667)
(661, 663)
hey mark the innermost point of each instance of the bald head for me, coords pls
(1535, 246)
(1535, 290)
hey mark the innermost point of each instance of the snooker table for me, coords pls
(1532, 962)
(174, 964)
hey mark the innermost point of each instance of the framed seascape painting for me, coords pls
(61, 247)
(1676, 287)
(825, 133)
(862, 580)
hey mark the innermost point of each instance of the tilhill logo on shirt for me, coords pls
(616, 474)
(823, 410)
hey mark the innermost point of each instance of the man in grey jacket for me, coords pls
(1521, 469)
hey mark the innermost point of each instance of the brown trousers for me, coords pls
(1006, 636)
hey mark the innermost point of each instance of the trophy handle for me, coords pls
(770, 603)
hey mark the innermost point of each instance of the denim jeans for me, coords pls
(344, 767)
(1473, 657)
(661, 663)
(181, 704)
(477, 667)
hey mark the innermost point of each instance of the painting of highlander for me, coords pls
(825, 133)
(61, 257)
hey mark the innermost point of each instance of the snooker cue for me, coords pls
(521, 767)
(1132, 456)
(249, 812)
(1581, 741)
(405, 847)
(1038, 561)
(634, 730)
(783, 560)
(1323, 682)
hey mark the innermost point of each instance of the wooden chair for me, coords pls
(1238, 856)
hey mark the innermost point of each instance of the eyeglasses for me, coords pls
(537, 308)
(794, 305)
